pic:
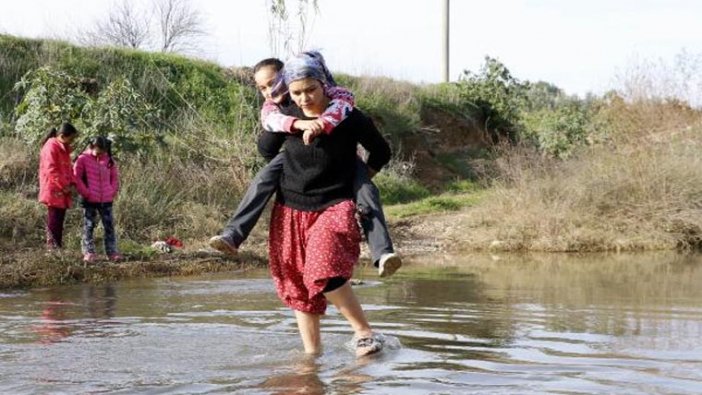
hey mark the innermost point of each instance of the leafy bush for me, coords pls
(497, 95)
(122, 113)
(54, 96)
(172, 83)
(558, 131)
(542, 96)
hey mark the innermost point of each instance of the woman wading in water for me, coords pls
(314, 238)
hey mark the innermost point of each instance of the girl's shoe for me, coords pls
(89, 257)
(115, 257)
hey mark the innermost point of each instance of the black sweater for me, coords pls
(321, 174)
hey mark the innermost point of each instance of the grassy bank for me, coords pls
(635, 195)
(489, 163)
(30, 268)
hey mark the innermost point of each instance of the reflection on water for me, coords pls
(304, 377)
(471, 324)
(56, 322)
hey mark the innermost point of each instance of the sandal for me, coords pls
(369, 345)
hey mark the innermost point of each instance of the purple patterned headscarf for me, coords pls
(308, 64)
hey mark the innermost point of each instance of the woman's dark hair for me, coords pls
(66, 130)
(104, 144)
(276, 63)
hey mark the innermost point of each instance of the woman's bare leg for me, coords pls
(345, 301)
(308, 324)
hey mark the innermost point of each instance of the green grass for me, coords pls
(395, 189)
(434, 204)
(463, 186)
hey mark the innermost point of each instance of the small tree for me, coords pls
(125, 26)
(543, 95)
(180, 25)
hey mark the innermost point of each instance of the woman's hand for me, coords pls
(309, 135)
(314, 125)
(311, 129)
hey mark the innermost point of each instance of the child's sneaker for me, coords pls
(116, 257)
(388, 264)
(89, 257)
(369, 345)
(222, 244)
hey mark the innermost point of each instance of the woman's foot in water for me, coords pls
(369, 345)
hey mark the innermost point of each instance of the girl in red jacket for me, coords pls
(56, 180)
(97, 181)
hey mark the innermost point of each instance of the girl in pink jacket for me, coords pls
(97, 181)
(56, 180)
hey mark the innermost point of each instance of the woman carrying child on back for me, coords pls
(274, 120)
(97, 181)
(313, 239)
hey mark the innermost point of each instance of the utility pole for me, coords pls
(445, 33)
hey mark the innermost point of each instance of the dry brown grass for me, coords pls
(18, 164)
(636, 122)
(400, 92)
(172, 196)
(638, 196)
(19, 212)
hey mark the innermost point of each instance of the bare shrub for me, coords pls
(654, 99)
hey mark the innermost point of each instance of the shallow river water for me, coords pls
(454, 325)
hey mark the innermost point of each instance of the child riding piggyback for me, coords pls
(274, 121)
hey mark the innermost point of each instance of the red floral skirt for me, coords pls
(307, 248)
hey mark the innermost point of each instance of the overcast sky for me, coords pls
(580, 45)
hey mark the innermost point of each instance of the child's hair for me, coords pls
(66, 130)
(276, 63)
(104, 144)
